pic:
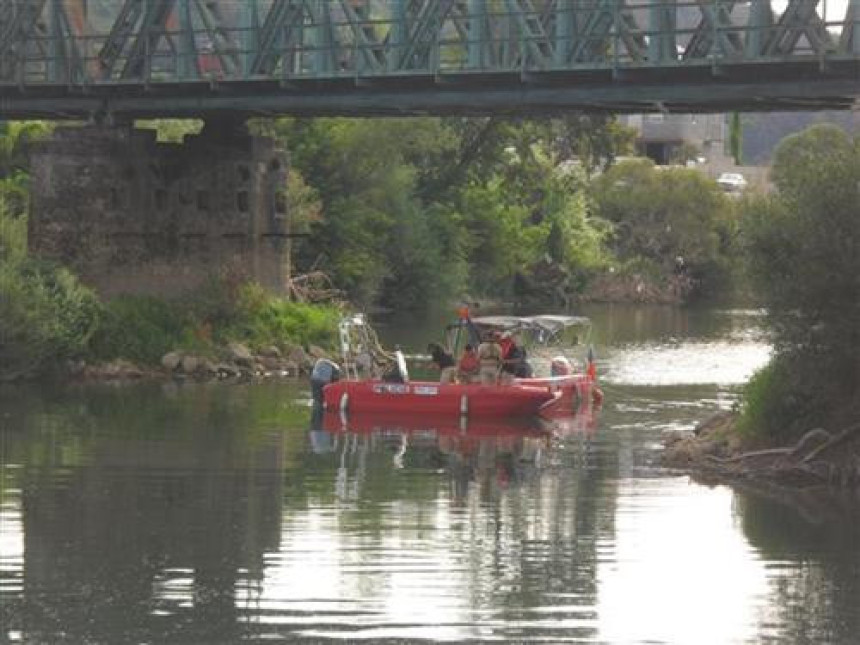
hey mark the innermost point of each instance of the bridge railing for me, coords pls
(185, 41)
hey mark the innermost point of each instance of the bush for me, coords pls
(46, 316)
(661, 214)
(802, 249)
(261, 319)
(138, 328)
(144, 328)
(769, 404)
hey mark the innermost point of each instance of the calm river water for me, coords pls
(220, 513)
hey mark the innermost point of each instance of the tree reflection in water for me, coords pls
(219, 513)
(813, 536)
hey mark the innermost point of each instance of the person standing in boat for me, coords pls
(468, 369)
(444, 361)
(324, 372)
(490, 357)
(510, 358)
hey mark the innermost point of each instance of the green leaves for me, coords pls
(660, 214)
(803, 244)
(418, 211)
(46, 315)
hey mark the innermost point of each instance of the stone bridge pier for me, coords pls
(129, 214)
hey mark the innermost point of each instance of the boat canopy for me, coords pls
(543, 330)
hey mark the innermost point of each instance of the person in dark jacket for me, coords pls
(444, 361)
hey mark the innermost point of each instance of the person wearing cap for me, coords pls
(490, 359)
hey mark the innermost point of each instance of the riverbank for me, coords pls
(225, 328)
(637, 289)
(715, 451)
(233, 361)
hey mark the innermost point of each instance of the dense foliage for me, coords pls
(144, 328)
(417, 211)
(402, 213)
(667, 220)
(802, 243)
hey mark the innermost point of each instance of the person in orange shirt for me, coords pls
(469, 366)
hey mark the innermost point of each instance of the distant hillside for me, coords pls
(762, 132)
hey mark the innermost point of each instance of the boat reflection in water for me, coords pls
(496, 452)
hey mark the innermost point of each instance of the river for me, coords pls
(220, 513)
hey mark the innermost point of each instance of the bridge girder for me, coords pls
(147, 51)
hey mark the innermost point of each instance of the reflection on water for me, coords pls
(220, 513)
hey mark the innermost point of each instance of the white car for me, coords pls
(732, 182)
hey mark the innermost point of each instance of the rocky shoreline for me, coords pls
(714, 451)
(235, 361)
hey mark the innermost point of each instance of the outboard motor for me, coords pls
(324, 372)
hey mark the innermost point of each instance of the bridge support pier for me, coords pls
(132, 215)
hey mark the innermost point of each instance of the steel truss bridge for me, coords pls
(120, 59)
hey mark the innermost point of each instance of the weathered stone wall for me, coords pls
(131, 215)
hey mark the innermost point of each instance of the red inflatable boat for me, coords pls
(526, 397)
(520, 399)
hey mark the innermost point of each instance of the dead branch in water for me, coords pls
(770, 452)
(839, 439)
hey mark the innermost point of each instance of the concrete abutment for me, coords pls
(130, 214)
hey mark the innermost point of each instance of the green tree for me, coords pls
(660, 215)
(375, 236)
(417, 210)
(803, 256)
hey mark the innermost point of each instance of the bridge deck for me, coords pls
(127, 58)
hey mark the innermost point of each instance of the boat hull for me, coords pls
(423, 397)
(435, 425)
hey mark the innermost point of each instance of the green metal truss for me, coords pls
(86, 57)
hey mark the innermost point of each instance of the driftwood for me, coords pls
(315, 286)
(849, 433)
(817, 459)
(770, 452)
